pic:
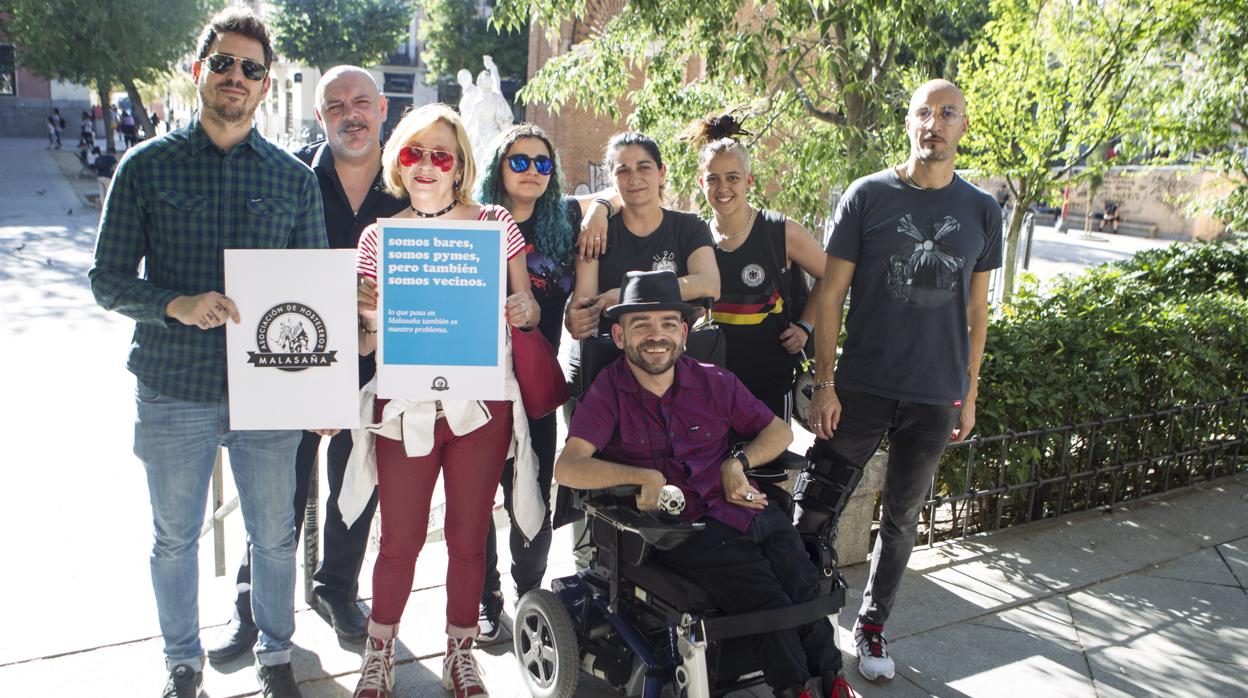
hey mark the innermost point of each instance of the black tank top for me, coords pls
(751, 308)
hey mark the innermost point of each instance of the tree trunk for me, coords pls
(101, 91)
(136, 106)
(1011, 245)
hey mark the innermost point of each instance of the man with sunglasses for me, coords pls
(176, 203)
(915, 244)
(351, 111)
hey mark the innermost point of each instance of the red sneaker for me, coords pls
(459, 669)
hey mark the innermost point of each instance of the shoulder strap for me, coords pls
(773, 235)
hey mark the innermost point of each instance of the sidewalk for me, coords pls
(1147, 600)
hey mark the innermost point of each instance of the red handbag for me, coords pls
(542, 385)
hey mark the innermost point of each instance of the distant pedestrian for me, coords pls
(86, 134)
(1110, 219)
(155, 125)
(128, 128)
(54, 135)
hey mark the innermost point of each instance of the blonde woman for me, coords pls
(428, 160)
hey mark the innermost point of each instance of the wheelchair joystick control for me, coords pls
(671, 502)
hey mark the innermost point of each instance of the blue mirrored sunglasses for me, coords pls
(520, 163)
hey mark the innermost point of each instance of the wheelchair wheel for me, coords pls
(546, 646)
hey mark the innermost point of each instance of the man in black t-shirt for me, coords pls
(913, 246)
(351, 110)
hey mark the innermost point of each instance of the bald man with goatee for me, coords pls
(351, 110)
(913, 247)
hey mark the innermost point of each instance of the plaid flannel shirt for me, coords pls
(176, 203)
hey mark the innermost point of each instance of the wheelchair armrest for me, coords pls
(769, 475)
(661, 534)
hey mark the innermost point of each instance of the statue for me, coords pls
(484, 109)
(469, 96)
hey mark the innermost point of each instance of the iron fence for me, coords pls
(990, 483)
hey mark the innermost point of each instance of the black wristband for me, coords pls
(605, 202)
(810, 331)
(739, 454)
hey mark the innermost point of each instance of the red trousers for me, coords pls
(471, 466)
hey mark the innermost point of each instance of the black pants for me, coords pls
(917, 436)
(764, 567)
(528, 560)
(337, 577)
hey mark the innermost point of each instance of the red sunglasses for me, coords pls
(411, 155)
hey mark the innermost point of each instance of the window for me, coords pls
(8, 70)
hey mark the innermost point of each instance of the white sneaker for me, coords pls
(873, 660)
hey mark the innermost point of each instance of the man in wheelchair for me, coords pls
(656, 418)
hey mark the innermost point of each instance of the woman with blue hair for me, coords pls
(523, 176)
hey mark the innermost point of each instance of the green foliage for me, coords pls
(1201, 111)
(326, 33)
(1168, 327)
(1119, 340)
(110, 41)
(1051, 82)
(455, 37)
(825, 83)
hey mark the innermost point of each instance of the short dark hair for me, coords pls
(236, 19)
(622, 140)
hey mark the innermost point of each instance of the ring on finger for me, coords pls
(749, 496)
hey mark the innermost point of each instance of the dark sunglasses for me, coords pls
(520, 163)
(222, 63)
(411, 155)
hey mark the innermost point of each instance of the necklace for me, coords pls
(745, 229)
(906, 178)
(422, 214)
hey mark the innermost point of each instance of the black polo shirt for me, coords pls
(343, 225)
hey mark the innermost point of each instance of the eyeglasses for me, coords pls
(411, 155)
(520, 163)
(222, 63)
(948, 115)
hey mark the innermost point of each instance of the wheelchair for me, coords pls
(638, 624)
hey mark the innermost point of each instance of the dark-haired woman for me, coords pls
(645, 236)
(759, 254)
(524, 176)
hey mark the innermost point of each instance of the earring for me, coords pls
(457, 185)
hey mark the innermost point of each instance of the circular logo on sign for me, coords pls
(753, 275)
(290, 337)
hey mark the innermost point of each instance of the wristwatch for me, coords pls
(739, 454)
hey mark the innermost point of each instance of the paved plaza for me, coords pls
(1150, 598)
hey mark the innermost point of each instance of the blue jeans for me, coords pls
(177, 442)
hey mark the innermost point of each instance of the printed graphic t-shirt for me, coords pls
(552, 279)
(667, 248)
(915, 251)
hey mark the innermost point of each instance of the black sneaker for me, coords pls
(489, 625)
(278, 681)
(184, 682)
(236, 639)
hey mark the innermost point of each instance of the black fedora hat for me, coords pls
(649, 291)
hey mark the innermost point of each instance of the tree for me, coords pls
(106, 42)
(1050, 83)
(1201, 113)
(826, 81)
(455, 36)
(326, 33)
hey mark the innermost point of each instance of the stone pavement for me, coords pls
(1146, 600)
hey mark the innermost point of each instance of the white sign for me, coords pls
(440, 309)
(293, 360)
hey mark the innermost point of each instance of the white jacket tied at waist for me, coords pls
(413, 422)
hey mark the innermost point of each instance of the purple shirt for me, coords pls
(683, 434)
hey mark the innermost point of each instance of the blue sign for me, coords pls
(442, 294)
